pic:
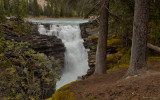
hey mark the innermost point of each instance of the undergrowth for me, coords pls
(24, 72)
(63, 93)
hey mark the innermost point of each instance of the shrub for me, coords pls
(24, 73)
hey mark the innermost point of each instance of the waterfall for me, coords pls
(76, 57)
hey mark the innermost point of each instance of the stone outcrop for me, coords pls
(49, 45)
(89, 29)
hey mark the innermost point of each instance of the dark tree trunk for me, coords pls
(102, 40)
(139, 40)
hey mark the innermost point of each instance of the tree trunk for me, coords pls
(102, 40)
(139, 40)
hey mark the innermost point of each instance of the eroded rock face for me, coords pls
(49, 45)
(89, 29)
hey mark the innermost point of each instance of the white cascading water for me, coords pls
(76, 57)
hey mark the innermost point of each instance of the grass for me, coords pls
(63, 93)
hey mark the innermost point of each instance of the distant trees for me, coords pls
(7, 7)
(2, 12)
(52, 8)
(139, 38)
(19, 9)
(36, 11)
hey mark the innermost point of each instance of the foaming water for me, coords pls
(60, 22)
(76, 57)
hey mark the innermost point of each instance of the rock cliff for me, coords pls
(49, 45)
(87, 30)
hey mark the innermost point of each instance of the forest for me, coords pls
(51, 8)
(120, 38)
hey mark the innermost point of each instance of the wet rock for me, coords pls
(89, 29)
(49, 45)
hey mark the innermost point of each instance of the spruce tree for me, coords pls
(2, 12)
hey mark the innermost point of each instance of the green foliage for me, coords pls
(126, 57)
(19, 9)
(64, 95)
(22, 28)
(121, 20)
(24, 72)
(36, 8)
(114, 42)
(120, 60)
(86, 95)
(94, 39)
(54, 8)
(49, 12)
(2, 12)
(157, 58)
(154, 35)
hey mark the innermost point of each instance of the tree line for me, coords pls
(52, 8)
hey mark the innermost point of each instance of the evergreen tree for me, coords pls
(7, 7)
(62, 12)
(139, 39)
(35, 8)
(2, 12)
(101, 52)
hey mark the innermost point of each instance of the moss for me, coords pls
(157, 58)
(119, 66)
(49, 99)
(63, 93)
(117, 56)
(114, 42)
(111, 42)
(111, 59)
(118, 60)
(94, 39)
(120, 53)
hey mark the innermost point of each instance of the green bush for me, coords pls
(24, 73)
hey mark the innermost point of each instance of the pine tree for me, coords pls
(35, 8)
(139, 39)
(7, 7)
(2, 12)
(101, 52)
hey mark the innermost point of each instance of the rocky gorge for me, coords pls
(36, 55)
(90, 30)
(49, 45)
(52, 46)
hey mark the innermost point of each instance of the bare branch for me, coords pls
(151, 46)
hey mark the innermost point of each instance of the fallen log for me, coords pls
(151, 46)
